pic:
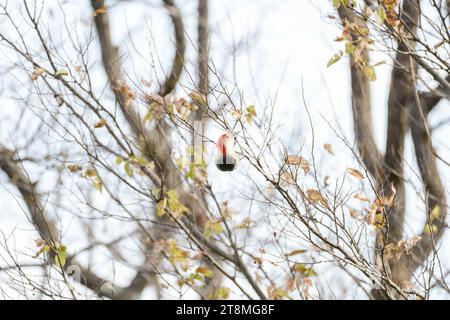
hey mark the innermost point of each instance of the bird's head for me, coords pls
(226, 144)
(227, 160)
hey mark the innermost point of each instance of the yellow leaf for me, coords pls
(60, 257)
(379, 219)
(304, 270)
(435, 213)
(245, 224)
(98, 184)
(217, 226)
(172, 194)
(251, 113)
(156, 192)
(213, 226)
(128, 168)
(431, 228)
(370, 73)
(276, 293)
(382, 14)
(221, 293)
(160, 207)
(100, 123)
(376, 216)
(252, 110)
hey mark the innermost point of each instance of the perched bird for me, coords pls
(227, 159)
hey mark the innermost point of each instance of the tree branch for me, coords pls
(48, 231)
(402, 88)
(180, 48)
(361, 105)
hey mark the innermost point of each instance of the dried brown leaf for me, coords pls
(101, 10)
(356, 173)
(298, 161)
(361, 197)
(74, 167)
(296, 252)
(329, 148)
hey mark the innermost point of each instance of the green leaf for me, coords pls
(172, 194)
(349, 47)
(180, 162)
(61, 73)
(191, 172)
(98, 184)
(148, 117)
(156, 192)
(100, 123)
(217, 227)
(205, 271)
(333, 60)
(221, 293)
(213, 226)
(142, 161)
(250, 114)
(382, 14)
(176, 208)
(119, 160)
(60, 257)
(197, 277)
(304, 270)
(431, 228)
(177, 254)
(128, 168)
(435, 213)
(39, 252)
(160, 207)
(208, 232)
(251, 109)
(370, 73)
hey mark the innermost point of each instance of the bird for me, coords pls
(226, 159)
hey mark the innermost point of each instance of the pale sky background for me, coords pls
(282, 44)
